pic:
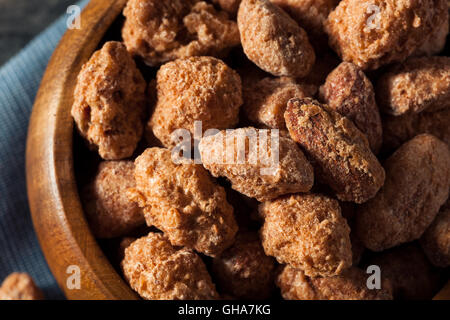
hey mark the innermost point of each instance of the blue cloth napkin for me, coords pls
(19, 82)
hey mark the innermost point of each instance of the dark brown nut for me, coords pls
(230, 6)
(409, 272)
(348, 91)
(398, 130)
(417, 185)
(195, 89)
(373, 33)
(108, 210)
(350, 285)
(265, 101)
(243, 270)
(182, 200)
(109, 102)
(249, 160)
(273, 41)
(325, 64)
(357, 248)
(339, 151)
(20, 286)
(307, 232)
(436, 239)
(418, 84)
(159, 31)
(158, 271)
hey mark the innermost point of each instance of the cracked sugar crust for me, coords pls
(195, 89)
(307, 232)
(256, 175)
(378, 32)
(160, 31)
(110, 103)
(418, 84)
(20, 286)
(265, 101)
(243, 270)
(350, 285)
(417, 184)
(436, 239)
(348, 91)
(274, 41)
(109, 211)
(183, 201)
(158, 271)
(338, 150)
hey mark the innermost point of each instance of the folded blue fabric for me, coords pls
(19, 82)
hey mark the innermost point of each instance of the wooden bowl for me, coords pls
(56, 209)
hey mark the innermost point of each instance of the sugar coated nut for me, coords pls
(160, 31)
(182, 200)
(195, 89)
(307, 232)
(273, 41)
(109, 211)
(109, 102)
(158, 271)
(20, 286)
(248, 158)
(350, 285)
(417, 184)
(339, 151)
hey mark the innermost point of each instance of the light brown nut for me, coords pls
(182, 200)
(339, 151)
(273, 41)
(436, 239)
(409, 272)
(307, 232)
(373, 33)
(20, 286)
(265, 101)
(159, 31)
(230, 6)
(243, 270)
(418, 84)
(417, 184)
(108, 210)
(158, 271)
(195, 89)
(397, 130)
(350, 285)
(310, 15)
(109, 102)
(249, 160)
(348, 91)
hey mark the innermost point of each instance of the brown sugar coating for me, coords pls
(195, 89)
(109, 211)
(436, 239)
(409, 272)
(20, 286)
(182, 200)
(307, 232)
(416, 85)
(348, 91)
(378, 32)
(339, 151)
(397, 130)
(417, 184)
(350, 285)
(109, 102)
(247, 158)
(243, 270)
(159, 31)
(310, 15)
(158, 271)
(230, 6)
(273, 41)
(265, 101)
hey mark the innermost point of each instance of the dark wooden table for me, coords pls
(21, 20)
